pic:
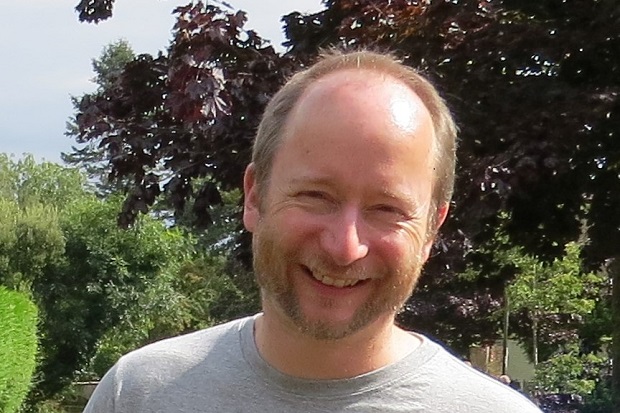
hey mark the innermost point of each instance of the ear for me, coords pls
(251, 203)
(442, 213)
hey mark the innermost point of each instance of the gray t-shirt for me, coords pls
(220, 370)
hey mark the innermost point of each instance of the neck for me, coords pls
(294, 353)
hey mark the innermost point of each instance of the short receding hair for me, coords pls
(273, 124)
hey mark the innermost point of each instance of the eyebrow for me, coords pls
(405, 200)
(314, 180)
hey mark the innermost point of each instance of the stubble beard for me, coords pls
(271, 260)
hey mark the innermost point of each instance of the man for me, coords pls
(505, 379)
(352, 173)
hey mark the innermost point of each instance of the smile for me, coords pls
(333, 282)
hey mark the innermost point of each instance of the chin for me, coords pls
(327, 327)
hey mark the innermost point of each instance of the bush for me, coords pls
(600, 401)
(18, 347)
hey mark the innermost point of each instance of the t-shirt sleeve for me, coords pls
(103, 398)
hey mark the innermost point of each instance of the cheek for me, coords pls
(401, 246)
(296, 226)
(271, 257)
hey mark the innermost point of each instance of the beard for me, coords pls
(273, 260)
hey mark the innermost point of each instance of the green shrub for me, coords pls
(18, 347)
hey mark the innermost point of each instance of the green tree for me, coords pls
(108, 277)
(31, 240)
(28, 182)
(549, 307)
(30, 233)
(547, 291)
(60, 244)
(570, 372)
(88, 156)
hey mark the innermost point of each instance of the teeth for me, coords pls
(340, 283)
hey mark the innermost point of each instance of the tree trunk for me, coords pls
(505, 338)
(614, 274)
(535, 338)
(535, 319)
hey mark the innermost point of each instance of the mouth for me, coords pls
(333, 282)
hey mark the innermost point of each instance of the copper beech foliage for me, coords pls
(533, 84)
(186, 114)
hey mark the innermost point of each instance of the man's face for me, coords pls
(341, 230)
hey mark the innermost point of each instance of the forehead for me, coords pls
(361, 91)
(357, 129)
(359, 99)
(358, 84)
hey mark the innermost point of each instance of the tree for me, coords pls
(179, 98)
(552, 306)
(27, 182)
(59, 244)
(30, 235)
(107, 277)
(534, 85)
(552, 294)
(90, 157)
(95, 10)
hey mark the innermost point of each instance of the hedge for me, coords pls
(18, 348)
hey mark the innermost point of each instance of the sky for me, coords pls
(46, 56)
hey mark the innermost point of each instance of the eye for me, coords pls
(318, 202)
(315, 195)
(390, 211)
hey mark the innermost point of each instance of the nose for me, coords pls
(341, 239)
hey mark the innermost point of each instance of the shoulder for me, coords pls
(459, 384)
(141, 376)
(143, 373)
(183, 351)
(165, 360)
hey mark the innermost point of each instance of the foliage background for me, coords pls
(533, 84)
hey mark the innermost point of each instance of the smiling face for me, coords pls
(341, 230)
